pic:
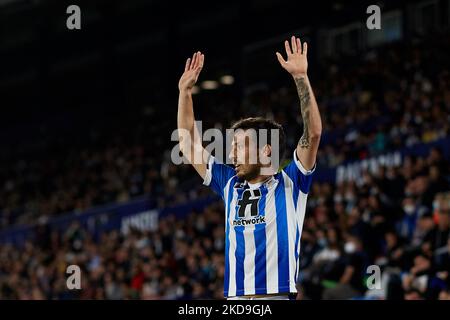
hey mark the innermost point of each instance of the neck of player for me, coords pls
(259, 179)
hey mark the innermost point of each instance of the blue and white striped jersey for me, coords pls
(263, 225)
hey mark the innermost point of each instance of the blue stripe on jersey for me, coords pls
(295, 193)
(297, 243)
(282, 236)
(240, 250)
(305, 182)
(226, 280)
(260, 245)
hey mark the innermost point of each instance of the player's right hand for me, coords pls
(191, 71)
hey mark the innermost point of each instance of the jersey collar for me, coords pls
(270, 182)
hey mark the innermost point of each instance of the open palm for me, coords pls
(191, 71)
(297, 62)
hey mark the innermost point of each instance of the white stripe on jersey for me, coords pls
(249, 261)
(292, 228)
(301, 209)
(271, 244)
(232, 248)
(226, 195)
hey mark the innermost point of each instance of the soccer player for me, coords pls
(264, 210)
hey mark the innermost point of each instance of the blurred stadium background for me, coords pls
(85, 170)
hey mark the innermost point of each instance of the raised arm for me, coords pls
(297, 66)
(190, 141)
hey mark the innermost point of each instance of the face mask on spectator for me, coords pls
(350, 197)
(349, 247)
(435, 205)
(409, 209)
(322, 242)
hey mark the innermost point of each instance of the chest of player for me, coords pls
(258, 206)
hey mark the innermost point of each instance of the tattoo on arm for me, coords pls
(303, 94)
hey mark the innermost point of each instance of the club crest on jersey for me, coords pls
(248, 209)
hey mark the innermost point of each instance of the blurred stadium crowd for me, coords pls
(396, 96)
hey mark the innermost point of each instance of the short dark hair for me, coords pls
(258, 123)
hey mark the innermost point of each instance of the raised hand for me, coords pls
(191, 71)
(297, 62)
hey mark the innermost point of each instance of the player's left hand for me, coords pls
(297, 62)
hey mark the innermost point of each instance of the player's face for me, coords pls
(244, 154)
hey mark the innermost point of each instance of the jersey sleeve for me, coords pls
(217, 175)
(301, 177)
